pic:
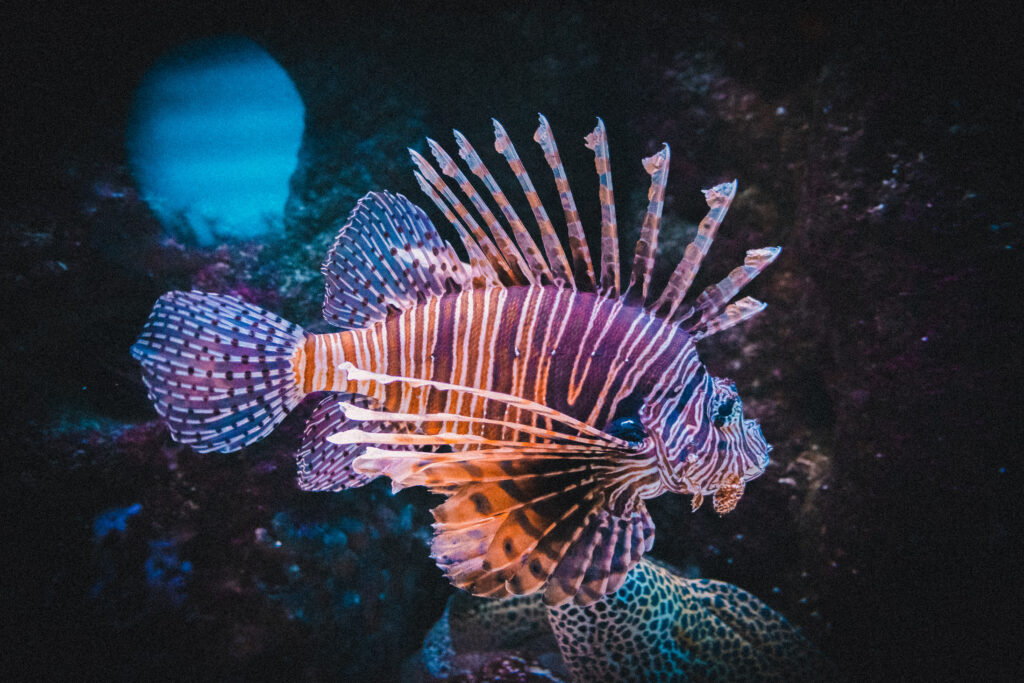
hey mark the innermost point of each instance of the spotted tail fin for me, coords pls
(221, 372)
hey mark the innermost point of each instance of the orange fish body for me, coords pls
(545, 403)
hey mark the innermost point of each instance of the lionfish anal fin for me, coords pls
(324, 465)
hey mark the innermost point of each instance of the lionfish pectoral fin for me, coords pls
(527, 517)
(528, 506)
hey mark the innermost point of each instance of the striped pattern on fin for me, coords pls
(601, 557)
(525, 407)
(219, 370)
(517, 505)
(598, 142)
(584, 269)
(487, 250)
(528, 265)
(541, 272)
(669, 303)
(520, 271)
(552, 247)
(327, 466)
(514, 517)
(647, 246)
(744, 309)
(481, 268)
(715, 296)
(388, 255)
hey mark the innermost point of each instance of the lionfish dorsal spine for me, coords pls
(715, 296)
(656, 166)
(734, 313)
(598, 142)
(481, 268)
(549, 238)
(497, 259)
(488, 252)
(583, 267)
(669, 304)
(526, 244)
(520, 270)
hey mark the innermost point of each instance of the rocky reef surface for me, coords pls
(878, 148)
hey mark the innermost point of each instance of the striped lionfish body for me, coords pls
(546, 401)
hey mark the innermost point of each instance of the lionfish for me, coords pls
(543, 399)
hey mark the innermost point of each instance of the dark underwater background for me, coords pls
(880, 147)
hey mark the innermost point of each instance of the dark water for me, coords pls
(880, 149)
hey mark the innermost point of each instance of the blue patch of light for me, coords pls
(114, 519)
(214, 138)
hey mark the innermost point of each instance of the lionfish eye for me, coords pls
(629, 428)
(724, 412)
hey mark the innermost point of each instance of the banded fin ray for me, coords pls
(532, 255)
(521, 272)
(482, 249)
(715, 296)
(482, 268)
(718, 198)
(516, 506)
(598, 142)
(528, 265)
(513, 518)
(522, 404)
(387, 255)
(535, 434)
(549, 239)
(734, 313)
(656, 166)
(582, 265)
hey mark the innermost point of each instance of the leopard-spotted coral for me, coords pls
(663, 627)
(659, 626)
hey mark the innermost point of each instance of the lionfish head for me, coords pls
(716, 451)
